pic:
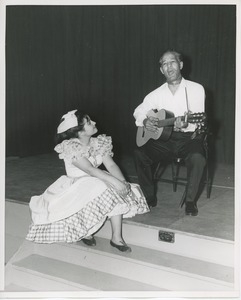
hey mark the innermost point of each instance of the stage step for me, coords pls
(196, 246)
(187, 262)
(77, 267)
(204, 248)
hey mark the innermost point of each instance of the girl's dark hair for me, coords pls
(72, 132)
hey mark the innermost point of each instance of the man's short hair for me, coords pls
(178, 55)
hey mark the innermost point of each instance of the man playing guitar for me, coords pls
(178, 106)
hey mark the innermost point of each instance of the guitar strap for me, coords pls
(188, 111)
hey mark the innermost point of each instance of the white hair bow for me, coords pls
(70, 121)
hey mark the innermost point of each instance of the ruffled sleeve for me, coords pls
(71, 149)
(104, 145)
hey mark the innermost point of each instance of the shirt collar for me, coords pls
(182, 83)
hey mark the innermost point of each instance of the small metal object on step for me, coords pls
(166, 236)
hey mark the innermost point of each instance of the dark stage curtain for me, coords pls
(104, 60)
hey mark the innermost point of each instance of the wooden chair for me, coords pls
(176, 164)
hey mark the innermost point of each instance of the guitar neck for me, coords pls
(192, 118)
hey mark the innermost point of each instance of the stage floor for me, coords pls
(30, 176)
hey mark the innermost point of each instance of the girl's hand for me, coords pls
(123, 188)
(128, 187)
(127, 190)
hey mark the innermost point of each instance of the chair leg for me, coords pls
(175, 172)
(208, 183)
(208, 179)
(183, 198)
(174, 177)
(207, 175)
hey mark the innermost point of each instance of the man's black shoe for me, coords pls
(152, 204)
(191, 209)
(151, 201)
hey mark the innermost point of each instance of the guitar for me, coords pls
(165, 124)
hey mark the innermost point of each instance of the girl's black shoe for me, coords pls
(89, 242)
(122, 248)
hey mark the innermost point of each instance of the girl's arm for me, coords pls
(112, 167)
(116, 181)
(114, 170)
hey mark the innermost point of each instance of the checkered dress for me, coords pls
(57, 219)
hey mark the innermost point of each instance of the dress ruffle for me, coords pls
(90, 218)
(72, 149)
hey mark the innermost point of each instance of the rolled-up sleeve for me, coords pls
(139, 115)
(141, 111)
